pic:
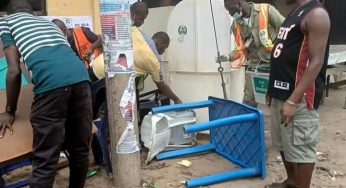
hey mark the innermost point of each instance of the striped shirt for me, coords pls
(45, 51)
(30, 33)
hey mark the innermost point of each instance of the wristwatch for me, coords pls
(10, 109)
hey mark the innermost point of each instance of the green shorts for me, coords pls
(298, 139)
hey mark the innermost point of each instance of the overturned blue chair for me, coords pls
(236, 133)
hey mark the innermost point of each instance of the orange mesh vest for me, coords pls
(82, 44)
(241, 51)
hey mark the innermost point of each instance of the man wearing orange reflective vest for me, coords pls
(84, 42)
(255, 26)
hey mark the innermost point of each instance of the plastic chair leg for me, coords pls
(105, 152)
(102, 138)
(10, 168)
(2, 182)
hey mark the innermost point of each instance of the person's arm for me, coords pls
(316, 25)
(13, 85)
(97, 43)
(166, 90)
(157, 77)
(275, 18)
(230, 56)
(13, 77)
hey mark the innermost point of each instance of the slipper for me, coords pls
(284, 184)
(276, 185)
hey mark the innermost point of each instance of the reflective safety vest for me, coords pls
(266, 41)
(82, 44)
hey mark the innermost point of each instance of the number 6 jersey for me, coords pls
(290, 58)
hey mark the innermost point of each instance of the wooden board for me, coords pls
(19, 145)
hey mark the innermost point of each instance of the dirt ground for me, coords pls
(168, 173)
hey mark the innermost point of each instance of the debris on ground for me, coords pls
(279, 160)
(62, 155)
(322, 156)
(147, 184)
(185, 163)
(92, 172)
(323, 171)
(156, 166)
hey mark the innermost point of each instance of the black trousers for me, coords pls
(62, 115)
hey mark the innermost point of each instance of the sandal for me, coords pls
(284, 184)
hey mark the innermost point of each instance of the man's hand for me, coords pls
(166, 90)
(6, 121)
(287, 113)
(178, 101)
(223, 58)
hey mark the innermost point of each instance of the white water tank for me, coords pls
(192, 70)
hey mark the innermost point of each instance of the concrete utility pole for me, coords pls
(116, 30)
(126, 167)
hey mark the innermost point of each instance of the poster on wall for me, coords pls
(133, 1)
(74, 21)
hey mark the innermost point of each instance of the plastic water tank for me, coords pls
(192, 69)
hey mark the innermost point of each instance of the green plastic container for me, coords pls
(260, 85)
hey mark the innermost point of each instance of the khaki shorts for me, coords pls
(298, 139)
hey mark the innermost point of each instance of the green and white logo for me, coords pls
(261, 84)
(182, 32)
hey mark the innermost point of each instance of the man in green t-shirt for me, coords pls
(61, 110)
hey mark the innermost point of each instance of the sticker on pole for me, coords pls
(128, 142)
(116, 30)
(118, 56)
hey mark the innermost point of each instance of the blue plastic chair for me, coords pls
(236, 133)
(11, 167)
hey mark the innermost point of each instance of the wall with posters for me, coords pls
(74, 21)
(76, 8)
